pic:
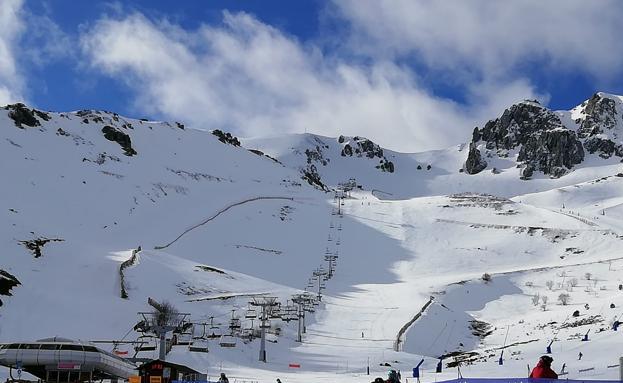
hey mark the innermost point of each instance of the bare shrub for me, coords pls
(549, 284)
(564, 298)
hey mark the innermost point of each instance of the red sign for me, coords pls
(68, 366)
(117, 352)
(294, 365)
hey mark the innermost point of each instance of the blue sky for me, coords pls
(413, 75)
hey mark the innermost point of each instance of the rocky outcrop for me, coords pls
(604, 147)
(22, 116)
(542, 142)
(7, 282)
(36, 245)
(600, 116)
(598, 126)
(516, 125)
(553, 152)
(122, 138)
(474, 164)
(362, 147)
(226, 137)
(310, 174)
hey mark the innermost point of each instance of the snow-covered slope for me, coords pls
(218, 224)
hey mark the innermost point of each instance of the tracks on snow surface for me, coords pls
(219, 213)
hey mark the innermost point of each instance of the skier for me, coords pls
(223, 378)
(580, 356)
(392, 377)
(543, 369)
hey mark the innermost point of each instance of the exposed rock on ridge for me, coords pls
(542, 141)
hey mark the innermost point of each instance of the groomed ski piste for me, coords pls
(240, 225)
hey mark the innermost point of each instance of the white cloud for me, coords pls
(250, 78)
(11, 27)
(491, 38)
(25, 39)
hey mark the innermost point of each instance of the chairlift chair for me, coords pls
(145, 343)
(265, 324)
(275, 314)
(199, 331)
(250, 314)
(199, 345)
(185, 338)
(234, 323)
(215, 332)
(227, 341)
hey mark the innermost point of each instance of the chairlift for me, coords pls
(145, 343)
(247, 333)
(213, 332)
(276, 314)
(331, 225)
(339, 228)
(265, 324)
(227, 341)
(234, 324)
(250, 314)
(199, 331)
(185, 338)
(199, 345)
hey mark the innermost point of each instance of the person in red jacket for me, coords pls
(543, 369)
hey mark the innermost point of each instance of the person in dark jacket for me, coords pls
(543, 369)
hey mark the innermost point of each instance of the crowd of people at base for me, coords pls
(224, 379)
(542, 370)
(393, 376)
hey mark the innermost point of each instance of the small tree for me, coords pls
(573, 282)
(486, 277)
(588, 276)
(535, 299)
(564, 298)
(549, 284)
(544, 299)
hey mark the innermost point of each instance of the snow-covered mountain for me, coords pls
(103, 212)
